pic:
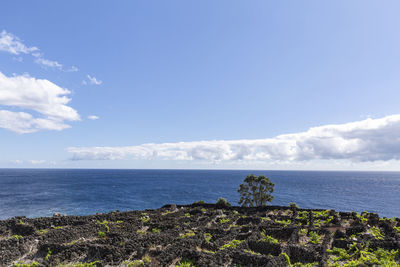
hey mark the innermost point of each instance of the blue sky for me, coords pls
(181, 72)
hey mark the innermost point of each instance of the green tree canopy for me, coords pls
(256, 191)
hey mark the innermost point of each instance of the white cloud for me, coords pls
(38, 95)
(48, 63)
(12, 44)
(93, 117)
(92, 80)
(362, 141)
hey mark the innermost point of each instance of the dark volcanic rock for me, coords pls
(201, 235)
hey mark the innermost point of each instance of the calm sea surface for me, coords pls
(36, 192)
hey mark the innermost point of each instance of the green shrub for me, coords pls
(302, 215)
(222, 202)
(207, 237)
(340, 253)
(284, 222)
(286, 258)
(84, 264)
(224, 220)
(188, 234)
(265, 219)
(185, 263)
(33, 264)
(233, 244)
(252, 252)
(314, 238)
(303, 232)
(321, 214)
(299, 264)
(376, 233)
(156, 230)
(293, 205)
(101, 234)
(268, 238)
(105, 223)
(49, 252)
(145, 219)
(42, 231)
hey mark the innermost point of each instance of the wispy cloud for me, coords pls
(38, 95)
(12, 44)
(48, 63)
(72, 69)
(93, 117)
(361, 141)
(92, 80)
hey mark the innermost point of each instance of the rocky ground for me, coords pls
(203, 235)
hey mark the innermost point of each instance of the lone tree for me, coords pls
(255, 191)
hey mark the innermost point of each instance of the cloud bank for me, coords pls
(47, 101)
(362, 141)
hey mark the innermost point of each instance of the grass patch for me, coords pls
(233, 244)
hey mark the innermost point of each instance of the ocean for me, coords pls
(42, 192)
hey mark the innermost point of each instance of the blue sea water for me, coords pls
(41, 192)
